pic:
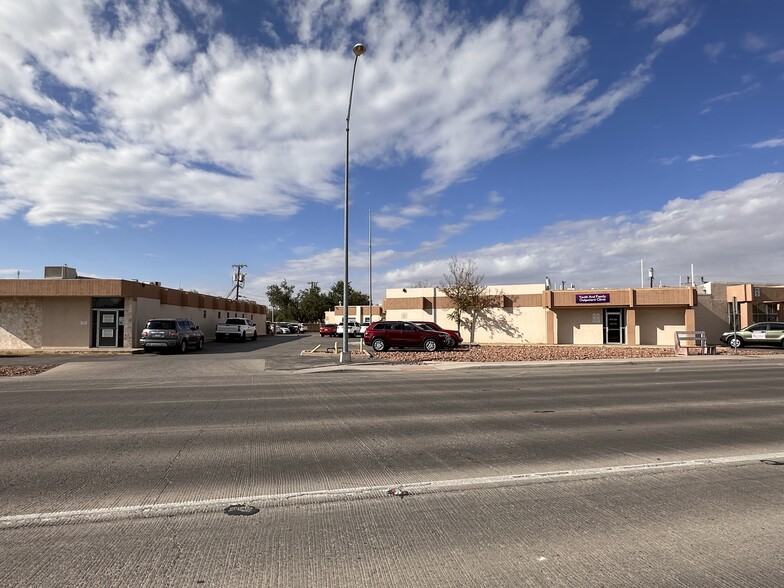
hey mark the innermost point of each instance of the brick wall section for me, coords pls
(20, 323)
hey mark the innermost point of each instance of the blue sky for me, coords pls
(168, 140)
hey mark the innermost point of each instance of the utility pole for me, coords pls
(370, 258)
(239, 278)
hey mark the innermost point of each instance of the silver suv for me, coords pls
(177, 334)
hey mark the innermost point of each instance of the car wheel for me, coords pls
(430, 345)
(450, 342)
(147, 350)
(735, 342)
(255, 336)
(379, 345)
(183, 346)
(200, 344)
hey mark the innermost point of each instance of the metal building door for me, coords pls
(107, 327)
(614, 326)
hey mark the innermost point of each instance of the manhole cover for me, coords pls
(240, 510)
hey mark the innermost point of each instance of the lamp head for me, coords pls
(359, 49)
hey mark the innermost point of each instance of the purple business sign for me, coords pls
(592, 298)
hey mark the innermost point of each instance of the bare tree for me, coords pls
(463, 286)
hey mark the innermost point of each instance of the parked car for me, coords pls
(363, 328)
(768, 333)
(303, 328)
(385, 334)
(236, 328)
(176, 334)
(282, 329)
(328, 330)
(353, 329)
(454, 336)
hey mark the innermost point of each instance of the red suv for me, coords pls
(385, 334)
(454, 336)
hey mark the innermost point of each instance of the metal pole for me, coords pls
(370, 260)
(345, 354)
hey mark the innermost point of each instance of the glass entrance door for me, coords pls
(614, 326)
(107, 328)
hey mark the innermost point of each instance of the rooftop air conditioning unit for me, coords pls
(59, 272)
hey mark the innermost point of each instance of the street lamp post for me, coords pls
(345, 354)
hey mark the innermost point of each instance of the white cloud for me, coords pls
(777, 142)
(674, 32)
(658, 12)
(695, 158)
(776, 56)
(195, 122)
(714, 50)
(598, 252)
(754, 43)
(606, 252)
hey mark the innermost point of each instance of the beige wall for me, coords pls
(657, 326)
(577, 327)
(66, 322)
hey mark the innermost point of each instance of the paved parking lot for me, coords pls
(219, 359)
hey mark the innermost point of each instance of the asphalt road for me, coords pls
(118, 471)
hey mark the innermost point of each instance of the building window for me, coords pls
(219, 313)
(205, 314)
(764, 312)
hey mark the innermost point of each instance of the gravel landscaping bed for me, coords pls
(24, 370)
(496, 353)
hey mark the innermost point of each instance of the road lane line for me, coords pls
(46, 519)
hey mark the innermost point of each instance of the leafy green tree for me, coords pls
(355, 298)
(281, 298)
(312, 304)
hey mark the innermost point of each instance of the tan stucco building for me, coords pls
(67, 311)
(610, 316)
(531, 314)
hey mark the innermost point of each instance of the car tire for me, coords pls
(450, 342)
(255, 336)
(183, 346)
(200, 344)
(430, 345)
(378, 345)
(735, 342)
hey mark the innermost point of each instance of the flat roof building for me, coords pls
(64, 310)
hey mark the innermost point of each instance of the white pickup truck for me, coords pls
(236, 328)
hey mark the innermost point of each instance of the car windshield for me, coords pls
(161, 325)
(234, 321)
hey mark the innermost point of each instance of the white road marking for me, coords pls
(320, 496)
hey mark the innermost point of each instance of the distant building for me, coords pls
(610, 316)
(362, 314)
(64, 310)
